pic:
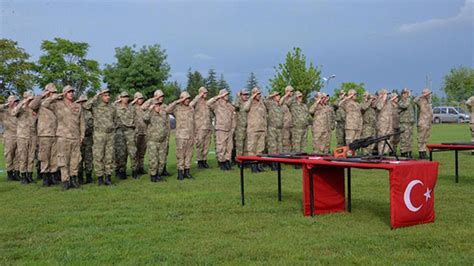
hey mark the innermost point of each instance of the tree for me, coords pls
(144, 70)
(172, 90)
(252, 81)
(195, 81)
(346, 86)
(16, 72)
(294, 72)
(459, 84)
(212, 85)
(64, 63)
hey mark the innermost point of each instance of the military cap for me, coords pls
(184, 95)
(68, 88)
(288, 89)
(138, 95)
(124, 94)
(223, 92)
(28, 94)
(50, 87)
(244, 91)
(425, 91)
(104, 90)
(202, 89)
(81, 98)
(319, 95)
(12, 98)
(383, 91)
(273, 94)
(393, 95)
(366, 94)
(298, 94)
(256, 90)
(158, 93)
(405, 90)
(352, 92)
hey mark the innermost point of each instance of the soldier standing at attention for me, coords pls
(321, 123)
(425, 119)
(87, 162)
(70, 134)
(140, 129)
(183, 113)
(406, 112)
(157, 132)
(241, 123)
(368, 121)
(395, 140)
(202, 126)
(332, 122)
(287, 121)
(340, 121)
(300, 116)
(256, 126)
(384, 118)
(126, 145)
(274, 125)
(104, 116)
(47, 153)
(224, 113)
(353, 119)
(9, 138)
(470, 107)
(26, 137)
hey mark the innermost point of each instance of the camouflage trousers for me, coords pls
(47, 154)
(224, 145)
(340, 134)
(125, 147)
(141, 150)
(321, 141)
(10, 153)
(167, 147)
(368, 131)
(351, 135)
(255, 142)
(157, 152)
(87, 163)
(240, 141)
(184, 153)
(382, 130)
(423, 136)
(203, 139)
(103, 153)
(298, 140)
(406, 138)
(395, 140)
(274, 140)
(26, 149)
(286, 140)
(69, 157)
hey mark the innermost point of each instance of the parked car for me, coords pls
(449, 114)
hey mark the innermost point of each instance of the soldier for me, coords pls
(353, 119)
(157, 122)
(47, 124)
(256, 126)
(26, 137)
(104, 116)
(274, 125)
(332, 121)
(407, 119)
(425, 119)
(140, 129)
(224, 113)
(368, 121)
(321, 127)
(70, 134)
(86, 164)
(125, 137)
(395, 140)
(240, 134)
(300, 117)
(9, 138)
(183, 113)
(202, 126)
(287, 122)
(384, 118)
(340, 121)
(470, 106)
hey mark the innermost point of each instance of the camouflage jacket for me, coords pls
(470, 106)
(340, 113)
(369, 116)
(104, 115)
(125, 116)
(202, 113)
(406, 111)
(158, 124)
(395, 116)
(241, 115)
(70, 118)
(89, 122)
(46, 118)
(353, 114)
(256, 116)
(299, 113)
(184, 119)
(425, 116)
(322, 117)
(26, 121)
(140, 125)
(224, 112)
(384, 112)
(9, 121)
(274, 114)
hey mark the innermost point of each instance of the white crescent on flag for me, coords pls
(406, 196)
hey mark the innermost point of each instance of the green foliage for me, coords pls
(294, 72)
(144, 70)
(64, 63)
(252, 81)
(459, 84)
(16, 72)
(212, 85)
(436, 100)
(195, 81)
(346, 86)
(171, 91)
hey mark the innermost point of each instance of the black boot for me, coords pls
(29, 176)
(228, 165)
(204, 164)
(88, 178)
(180, 175)
(108, 180)
(422, 155)
(274, 166)
(260, 167)
(187, 174)
(9, 175)
(221, 166)
(57, 177)
(16, 176)
(39, 175)
(23, 178)
(254, 168)
(46, 180)
(80, 178)
(135, 174)
(122, 174)
(200, 165)
(153, 178)
(410, 155)
(66, 185)
(74, 182)
(165, 173)
(100, 180)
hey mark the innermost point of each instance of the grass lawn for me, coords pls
(201, 221)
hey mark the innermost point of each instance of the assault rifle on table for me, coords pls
(349, 150)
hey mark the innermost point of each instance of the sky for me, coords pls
(384, 43)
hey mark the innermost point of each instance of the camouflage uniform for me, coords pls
(125, 145)
(9, 138)
(384, 120)
(407, 119)
(202, 125)
(340, 125)
(256, 124)
(287, 124)
(300, 116)
(368, 124)
(353, 118)
(470, 106)
(274, 125)
(395, 140)
(141, 130)
(240, 134)
(104, 116)
(425, 119)
(157, 133)
(321, 127)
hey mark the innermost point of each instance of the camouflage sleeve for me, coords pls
(403, 105)
(470, 102)
(247, 105)
(417, 100)
(147, 116)
(380, 104)
(19, 108)
(36, 103)
(313, 108)
(365, 105)
(91, 102)
(211, 102)
(171, 107)
(48, 103)
(194, 101)
(82, 124)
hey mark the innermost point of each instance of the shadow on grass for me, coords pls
(379, 209)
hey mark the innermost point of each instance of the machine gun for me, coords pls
(349, 150)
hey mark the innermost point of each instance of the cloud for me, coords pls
(202, 56)
(465, 15)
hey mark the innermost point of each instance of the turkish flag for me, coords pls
(412, 194)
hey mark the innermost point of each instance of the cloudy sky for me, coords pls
(383, 43)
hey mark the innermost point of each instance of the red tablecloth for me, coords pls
(449, 147)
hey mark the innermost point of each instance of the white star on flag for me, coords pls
(427, 194)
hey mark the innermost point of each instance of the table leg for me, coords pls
(349, 205)
(311, 192)
(456, 165)
(242, 183)
(279, 181)
(431, 155)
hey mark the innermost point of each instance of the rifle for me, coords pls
(292, 155)
(349, 150)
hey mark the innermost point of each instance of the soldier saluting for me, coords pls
(425, 119)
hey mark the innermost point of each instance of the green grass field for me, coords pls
(201, 221)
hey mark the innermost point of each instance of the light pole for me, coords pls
(326, 80)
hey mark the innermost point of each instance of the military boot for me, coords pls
(187, 174)
(221, 166)
(108, 180)
(422, 155)
(88, 178)
(66, 185)
(180, 175)
(200, 165)
(135, 174)
(153, 178)
(228, 165)
(9, 175)
(274, 166)
(23, 178)
(29, 176)
(165, 173)
(260, 167)
(39, 175)
(57, 177)
(254, 168)
(46, 180)
(75, 182)
(100, 180)
(80, 178)
(16, 176)
(205, 165)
